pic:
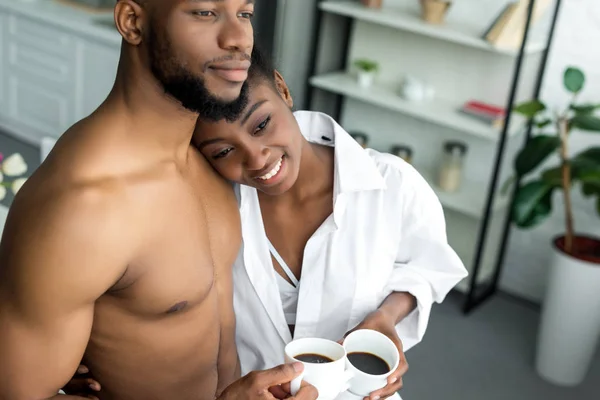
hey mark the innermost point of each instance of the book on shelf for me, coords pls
(488, 113)
(508, 27)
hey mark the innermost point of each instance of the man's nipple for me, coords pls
(177, 307)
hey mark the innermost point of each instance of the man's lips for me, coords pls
(232, 71)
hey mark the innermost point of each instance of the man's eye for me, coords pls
(247, 15)
(222, 153)
(263, 125)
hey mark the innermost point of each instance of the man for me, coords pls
(118, 250)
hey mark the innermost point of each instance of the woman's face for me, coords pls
(263, 147)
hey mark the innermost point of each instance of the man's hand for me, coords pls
(270, 384)
(82, 384)
(381, 322)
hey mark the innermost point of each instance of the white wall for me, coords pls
(576, 43)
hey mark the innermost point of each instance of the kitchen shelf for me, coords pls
(469, 199)
(438, 111)
(396, 18)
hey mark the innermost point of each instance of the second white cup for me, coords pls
(375, 358)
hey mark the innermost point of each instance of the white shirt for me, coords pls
(387, 233)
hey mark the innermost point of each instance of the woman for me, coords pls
(335, 237)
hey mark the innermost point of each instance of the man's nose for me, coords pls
(236, 35)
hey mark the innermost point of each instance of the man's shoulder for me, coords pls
(53, 202)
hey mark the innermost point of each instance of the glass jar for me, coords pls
(451, 168)
(361, 138)
(404, 152)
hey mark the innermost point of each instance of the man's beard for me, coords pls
(188, 89)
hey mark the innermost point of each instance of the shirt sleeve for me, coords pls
(426, 266)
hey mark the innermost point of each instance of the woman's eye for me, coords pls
(263, 125)
(222, 153)
(204, 13)
(247, 15)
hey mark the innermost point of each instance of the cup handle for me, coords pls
(346, 378)
(295, 384)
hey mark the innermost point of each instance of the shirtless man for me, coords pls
(118, 250)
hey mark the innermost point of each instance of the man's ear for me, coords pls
(129, 19)
(283, 89)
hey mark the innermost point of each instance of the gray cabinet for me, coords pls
(49, 77)
(40, 88)
(98, 70)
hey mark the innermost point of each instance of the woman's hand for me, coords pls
(82, 384)
(381, 322)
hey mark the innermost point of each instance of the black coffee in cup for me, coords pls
(313, 358)
(369, 363)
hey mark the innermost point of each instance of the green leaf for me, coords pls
(586, 123)
(589, 189)
(552, 176)
(585, 173)
(543, 123)
(533, 204)
(584, 109)
(535, 152)
(588, 157)
(530, 108)
(574, 79)
(590, 176)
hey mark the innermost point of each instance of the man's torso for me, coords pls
(166, 328)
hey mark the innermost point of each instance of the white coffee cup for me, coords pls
(376, 343)
(330, 378)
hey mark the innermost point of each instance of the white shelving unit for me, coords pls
(460, 65)
(439, 111)
(396, 18)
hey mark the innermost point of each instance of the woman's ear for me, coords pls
(283, 89)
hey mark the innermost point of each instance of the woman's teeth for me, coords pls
(273, 172)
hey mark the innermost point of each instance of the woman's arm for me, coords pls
(397, 306)
(426, 266)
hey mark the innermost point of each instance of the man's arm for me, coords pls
(56, 259)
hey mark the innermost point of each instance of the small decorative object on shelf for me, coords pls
(450, 173)
(488, 113)
(412, 89)
(361, 138)
(372, 3)
(506, 31)
(434, 11)
(12, 166)
(366, 71)
(403, 151)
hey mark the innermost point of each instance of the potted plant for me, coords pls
(366, 71)
(434, 11)
(570, 320)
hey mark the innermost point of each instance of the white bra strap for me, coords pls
(283, 265)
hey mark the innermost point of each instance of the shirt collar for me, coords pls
(355, 170)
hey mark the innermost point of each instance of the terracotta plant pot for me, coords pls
(570, 321)
(434, 11)
(372, 3)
